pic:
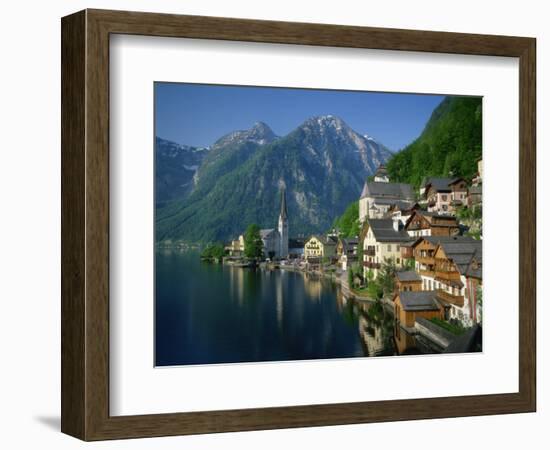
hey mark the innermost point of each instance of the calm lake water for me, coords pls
(208, 313)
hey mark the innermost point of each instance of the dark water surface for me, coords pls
(209, 313)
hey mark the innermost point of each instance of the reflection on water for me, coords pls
(207, 313)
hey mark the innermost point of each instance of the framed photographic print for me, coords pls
(270, 224)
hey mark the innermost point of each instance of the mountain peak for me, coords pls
(260, 133)
(326, 121)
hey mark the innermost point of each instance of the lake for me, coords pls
(209, 313)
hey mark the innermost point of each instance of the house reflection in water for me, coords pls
(313, 285)
(372, 336)
(279, 300)
(236, 284)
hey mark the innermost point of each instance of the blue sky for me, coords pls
(198, 114)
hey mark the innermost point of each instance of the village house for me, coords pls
(424, 223)
(296, 247)
(472, 290)
(478, 179)
(407, 280)
(320, 247)
(443, 264)
(407, 253)
(444, 195)
(408, 305)
(236, 247)
(402, 211)
(347, 246)
(346, 251)
(453, 265)
(424, 249)
(382, 242)
(378, 197)
(475, 196)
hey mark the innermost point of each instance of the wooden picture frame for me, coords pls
(85, 224)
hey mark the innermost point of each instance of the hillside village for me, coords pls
(419, 252)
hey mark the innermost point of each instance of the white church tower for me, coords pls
(283, 227)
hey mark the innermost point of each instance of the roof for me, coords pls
(430, 216)
(470, 341)
(405, 205)
(266, 232)
(462, 251)
(435, 240)
(395, 191)
(408, 244)
(384, 232)
(325, 240)
(418, 301)
(456, 180)
(440, 184)
(296, 243)
(408, 275)
(350, 241)
(475, 265)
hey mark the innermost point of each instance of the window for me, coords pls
(397, 260)
(444, 197)
(389, 247)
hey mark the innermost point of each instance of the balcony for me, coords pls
(447, 276)
(425, 260)
(426, 272)
(371, 265)
(457, 300)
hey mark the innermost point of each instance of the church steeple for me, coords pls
(283, 213)
(283, 227)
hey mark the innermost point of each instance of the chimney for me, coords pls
(396, 223)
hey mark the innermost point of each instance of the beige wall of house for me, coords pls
(377, 252)
(314, 247)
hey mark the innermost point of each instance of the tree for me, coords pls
(350, 277)
(386, 276)
(348, 223)
(408, 264)
(253, 245)
(215, 250)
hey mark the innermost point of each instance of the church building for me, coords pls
(276, 240)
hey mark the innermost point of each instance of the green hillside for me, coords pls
(348, 223)
(450, 144)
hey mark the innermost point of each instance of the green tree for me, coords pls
(253, 245)
(215, 250)
(348, 223)
(386, 276)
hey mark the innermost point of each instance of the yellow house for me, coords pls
(320, 246)
(236, 246)
(382, 241)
